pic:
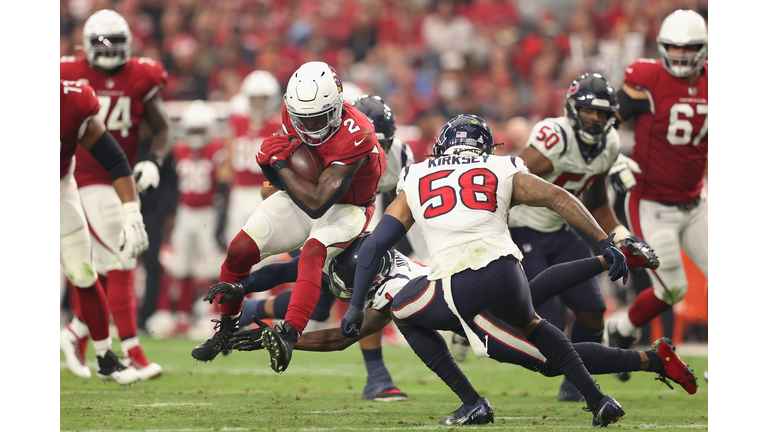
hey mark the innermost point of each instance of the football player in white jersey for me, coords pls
(460, 199)
(575, 152)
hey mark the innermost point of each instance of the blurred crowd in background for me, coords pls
(429, 59)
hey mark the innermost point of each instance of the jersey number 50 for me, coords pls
(477, 191)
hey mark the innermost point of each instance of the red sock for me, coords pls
(646, 307)
(122, 302)
(95, 311)
(163, 296)
(74, 300)
(243, 253)
(187, 295)
(306, 290)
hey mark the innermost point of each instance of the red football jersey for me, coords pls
(197, 172)
(78, 105)
(246, 142)
(355, 139)
(122, 97)
(670, 141)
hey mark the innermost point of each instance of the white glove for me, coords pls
(621, 175)
(133, 237)
(147, 175)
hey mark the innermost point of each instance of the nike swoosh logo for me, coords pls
(357, 143)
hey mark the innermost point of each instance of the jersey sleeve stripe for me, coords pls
(403, 156)
(153, 92)
(565, 139)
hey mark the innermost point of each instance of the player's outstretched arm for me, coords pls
(333, 340)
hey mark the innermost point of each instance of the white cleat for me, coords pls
(137, 360)
(110, 369)
(74, 352)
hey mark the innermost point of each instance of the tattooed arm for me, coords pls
(332, 340)
(531, 190)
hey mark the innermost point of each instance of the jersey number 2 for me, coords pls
(477, 191)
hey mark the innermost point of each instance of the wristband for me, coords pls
(621, 233)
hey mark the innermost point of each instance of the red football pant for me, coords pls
(242, 254)
(306, 291)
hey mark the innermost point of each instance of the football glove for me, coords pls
(133, 238)
(249, 340)
(615, 259)
(147, 174)
(621, 174)
(638, 253)
(352, 322)
(276, 148)
(229, 292)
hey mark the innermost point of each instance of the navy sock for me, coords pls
(582, 333)
(560, 353)
(250, 309)
(431, 348)
(599, 359)
(562, 277)
(655, 362)
(379, 379)
(280, 306)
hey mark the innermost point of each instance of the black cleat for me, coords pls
(639, 254)
(569, 393)
(279, 341)
(221, 340)
(479, 413)
(110, 369)
(607, 411)
(612, 338)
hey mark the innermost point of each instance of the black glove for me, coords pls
(228, 291)
(249, 340)
(615, 259)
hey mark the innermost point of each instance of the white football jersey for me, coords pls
(398, 157)
(403, 270)
(556, 140)
(461, 205)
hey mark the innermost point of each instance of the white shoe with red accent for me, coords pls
(138, 361)
(74, 352)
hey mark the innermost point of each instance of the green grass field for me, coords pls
(321, 391)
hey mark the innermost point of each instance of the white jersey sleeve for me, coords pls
(461, 205)
(571, 169)
(399, 156)
(402, 272)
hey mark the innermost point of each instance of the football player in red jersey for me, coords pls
(127, 88)
(322, 219)
(79, 123)
(667, 207)
(261, 94)
(197, 157)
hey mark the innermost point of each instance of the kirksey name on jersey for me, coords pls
(556, 140)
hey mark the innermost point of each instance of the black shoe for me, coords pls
(569, 393)
(279, 341)
(221, 340)
(479, 413)
(612, 338)
(110, 369)
(607, 411)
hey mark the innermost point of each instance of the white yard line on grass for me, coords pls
(342, 411)
(165, 404)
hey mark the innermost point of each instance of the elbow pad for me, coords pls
(108, 153)
(316, 214)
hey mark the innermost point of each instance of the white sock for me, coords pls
(625, 326)
(128, 344)
(78, 328)
(101, 347)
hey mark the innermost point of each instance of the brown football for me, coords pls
(306, 163)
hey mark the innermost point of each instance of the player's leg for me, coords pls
(105, 217)
(379, 385)
(277, 226)
(76, 260)
(695, 237)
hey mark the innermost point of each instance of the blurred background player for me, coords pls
(575, 152)
(127, 88)
(322, 219)
(79, 123)
(196, 254)
(667, 207)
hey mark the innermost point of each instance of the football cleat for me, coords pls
(110, 369)
(390, 395)
(479, 413)
(220, 341)
(279, 342)
(459, 347)
(569, 393)
(137, 360)
(638, 253)
(612, 338)
(74, 352)
(608, 411)
(674, 368)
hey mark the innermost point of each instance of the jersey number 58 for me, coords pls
(477, 191)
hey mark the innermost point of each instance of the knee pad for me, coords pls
(82, 277)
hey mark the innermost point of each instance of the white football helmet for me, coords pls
(261, 84)
(107, 39)
(314, 101)
(351, 92)
(197, 121)
(683, 28)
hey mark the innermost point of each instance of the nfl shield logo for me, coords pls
(692, 91)
(527, 248)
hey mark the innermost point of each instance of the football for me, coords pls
(306, 162)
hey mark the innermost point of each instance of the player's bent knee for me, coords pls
(83, 277)
(259, 229)
(673, 295)
(592, 319)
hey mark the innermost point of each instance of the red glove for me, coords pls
(276, 148)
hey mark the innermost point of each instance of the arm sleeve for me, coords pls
(109, 154)
(629, 107)
(271, 275)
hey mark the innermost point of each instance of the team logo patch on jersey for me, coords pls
(527, 248)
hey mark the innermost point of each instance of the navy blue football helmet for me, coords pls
(341, 269)
(464, 132)
(381, 116)
(595, 92)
